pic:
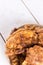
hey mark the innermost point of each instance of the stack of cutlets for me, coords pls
(24, 46)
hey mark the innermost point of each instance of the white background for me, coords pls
(13, 14)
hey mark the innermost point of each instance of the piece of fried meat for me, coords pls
(34, 56)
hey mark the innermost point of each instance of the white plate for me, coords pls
(14, 14)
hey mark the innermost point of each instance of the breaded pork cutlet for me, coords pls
(22, 38)
(34, 56)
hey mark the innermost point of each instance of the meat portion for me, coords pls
(21, 39)
(34, 56)
(19, 45)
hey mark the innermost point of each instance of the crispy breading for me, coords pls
(34, 56)
(19, 45)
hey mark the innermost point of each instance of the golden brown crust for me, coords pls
(34, 56)
(22, 38)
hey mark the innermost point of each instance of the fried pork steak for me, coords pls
(24, 46)
(34, 56)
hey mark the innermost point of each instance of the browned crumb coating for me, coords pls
(34, 56)
(21, 39)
